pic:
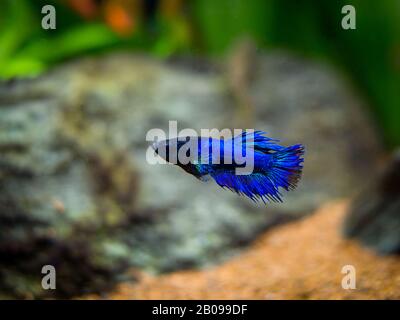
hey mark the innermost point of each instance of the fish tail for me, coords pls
(286, 167)
(282, 170)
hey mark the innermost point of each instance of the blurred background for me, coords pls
(76, 103)
(369, 55)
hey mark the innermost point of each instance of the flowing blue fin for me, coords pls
(283, 171)
(256, 186)
(258, 141)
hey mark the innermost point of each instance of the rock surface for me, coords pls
(374, 216)
(75, 184)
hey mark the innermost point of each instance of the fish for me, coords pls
(249, 164)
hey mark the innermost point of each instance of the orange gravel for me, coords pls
(301, 260)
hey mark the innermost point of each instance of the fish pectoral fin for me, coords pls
(256, 186)
(204, 178)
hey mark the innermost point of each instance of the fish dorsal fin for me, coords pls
(258, 141)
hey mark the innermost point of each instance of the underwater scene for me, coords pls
(176, 149)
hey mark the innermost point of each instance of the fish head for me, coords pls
(169, 149)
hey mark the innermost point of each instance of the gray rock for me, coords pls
(374, 216)
(75, 184)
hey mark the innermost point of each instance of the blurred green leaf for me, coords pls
(222, 22)
(174, 37)
(22, 67)
(15, 28)
(80, 39)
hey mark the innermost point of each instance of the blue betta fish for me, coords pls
(250, 164)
